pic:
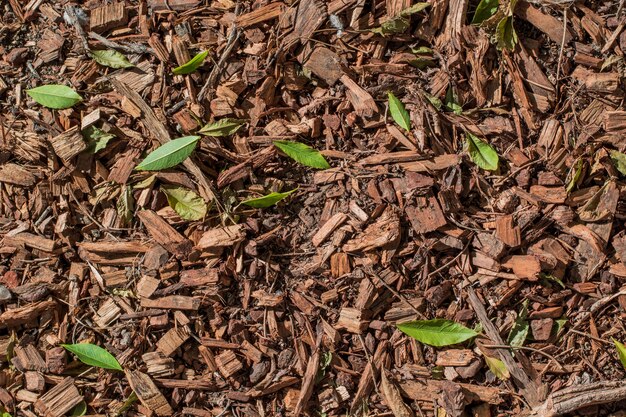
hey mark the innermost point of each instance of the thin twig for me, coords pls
(444, 266)
(528, 348)
(131, 48)
(72, 19)
(397, 294)
(590, 336)
(558, 66)
(208, 89)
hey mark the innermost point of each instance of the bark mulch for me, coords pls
(499, 211)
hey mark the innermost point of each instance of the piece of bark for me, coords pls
(34, 381)
(208, 357)
(325, 64)
(222, 236)
(68, 144)
(541, 329)
(309, 15)
(30, 240)
(546, 23)
(108, 17)
(15, 174)
(507, 231)
(489, 244)
(393, 398)
(173, 339)
(56, 360)
(551, 195)
(598, 82)
(199, 277)
(308, 382)
(579, 396)
(26, 314)
(351, 320)
(29, 359)
(393, 158)
(454, 357)
(148, 393)
(426, 215)
(228, 363)
(328, 228)
(158, 365)
(428, 389)
(108, 312)
(134, 247)
(176, 5)
(59, 400)
(384, 232)
(146, 286)
(339, 264)
(524, 266)
(164, 234)
(172, 302)
(49, 46)
(262, 14)
(218, 343)
(362, 101)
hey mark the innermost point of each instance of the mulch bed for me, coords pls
(292, 309)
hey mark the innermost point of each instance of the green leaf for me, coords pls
(55, 96)
(223, 127)
(482, 153)
(575, 173)
(391, 26)
(435, 101)
(551, 277)
(302, 153)
(170, 154)
(497, 367)
(94, 355)
(422, 50)
(110, 58)
(506, 37)
(452, 102)
(79, 410)
(132, 398)
(416, 8)
(5, 414)
(621, 351)
(613, 59)
(97, 139)
(191, 65)
(485, 9)
(559, 324)
(398, 112)
(126, 205)
(520, 328)
(267, 200)
(401, 22)
(145, 183)
(186, 203)
(619, 160)
(437, 332)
